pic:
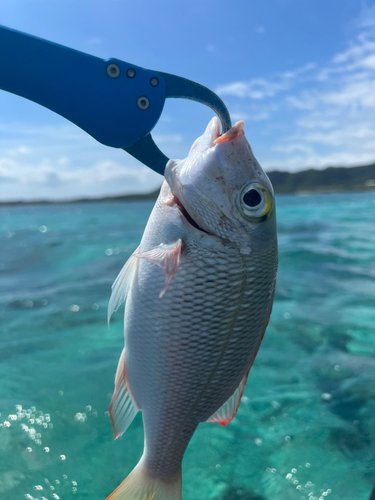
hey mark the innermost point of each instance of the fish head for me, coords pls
(223, 191)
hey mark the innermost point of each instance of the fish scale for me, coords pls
(199, 294)
(204, 386)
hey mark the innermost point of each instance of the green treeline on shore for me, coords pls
(330, 180)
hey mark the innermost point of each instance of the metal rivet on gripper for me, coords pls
(113, 70)
(143, 102)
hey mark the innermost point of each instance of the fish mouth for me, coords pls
(186, 214)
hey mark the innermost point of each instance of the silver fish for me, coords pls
(199, 291)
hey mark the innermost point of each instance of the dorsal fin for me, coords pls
(228, 411)
(122, 284)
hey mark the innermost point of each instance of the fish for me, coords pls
(198, 295)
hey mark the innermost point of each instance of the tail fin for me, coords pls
(142, 485)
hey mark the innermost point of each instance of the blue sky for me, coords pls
(300, 73)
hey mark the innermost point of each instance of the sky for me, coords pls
(300, 73)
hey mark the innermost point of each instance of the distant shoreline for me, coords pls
(103, 199)
(307, 182)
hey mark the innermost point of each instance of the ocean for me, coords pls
(306, 427)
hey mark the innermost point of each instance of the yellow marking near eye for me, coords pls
(268, 204)
(268, 201)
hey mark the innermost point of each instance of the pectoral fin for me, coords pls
(122, 283)
(228, 411)
(167, 257)
(123, 408)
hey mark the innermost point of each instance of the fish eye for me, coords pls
(252, 198)
(255, 201)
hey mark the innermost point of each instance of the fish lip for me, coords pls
(176, 201)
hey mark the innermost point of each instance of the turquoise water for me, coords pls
(306, 427)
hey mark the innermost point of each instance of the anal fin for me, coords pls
(123, 408)
(228, 411)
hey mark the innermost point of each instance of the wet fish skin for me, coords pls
(199, 292)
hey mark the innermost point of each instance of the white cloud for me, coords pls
(239, 116)
(211, 47)
(367, 16)
(18, 150)
(364, 44)
(341, 136)
(321, 115)
(293, 163)
(163, 138)
(94, 41)
(263, 115)
(66, 132)
(352, 95)
(316, 121)
(260, 88)
(48, 181)
(260, 30)
(337, 115)
(64, 162)
(294, 147)
(305, 101)
(165, 118)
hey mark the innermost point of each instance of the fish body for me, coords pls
(199, 292)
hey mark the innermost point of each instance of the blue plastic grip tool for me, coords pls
(117, 103)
